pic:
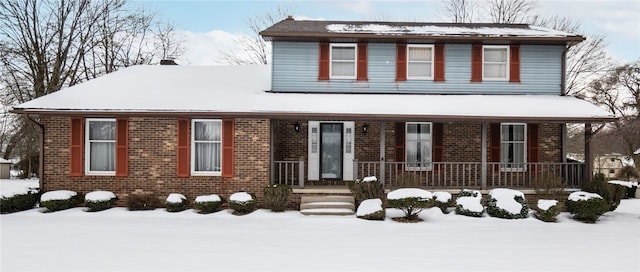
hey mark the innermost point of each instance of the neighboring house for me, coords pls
(608, 164)
(445, 105)
(5, 168)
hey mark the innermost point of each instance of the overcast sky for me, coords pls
(210, 27)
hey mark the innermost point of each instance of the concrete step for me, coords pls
(327, 205)
(327, 211)
(327, 198)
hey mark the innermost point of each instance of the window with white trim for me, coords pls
(513, 140)
(495, 62)
(420, 61)
(100, 146)
(206, 147)
(418, 146)
(343, 61)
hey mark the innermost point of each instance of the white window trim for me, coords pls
(355, 60)
(432, 61)
(192, 150)
(429, 165)
(508, 63)
(87, 148)
(503, 166)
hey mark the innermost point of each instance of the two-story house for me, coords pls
(439, 105)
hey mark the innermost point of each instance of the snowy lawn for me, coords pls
(11, 187)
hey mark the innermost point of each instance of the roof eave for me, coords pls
(275, 36)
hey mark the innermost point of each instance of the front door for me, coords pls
(331, 150)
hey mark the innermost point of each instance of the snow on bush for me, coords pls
(469, 203)
(208, 203)
(547, 210)
(367, 188)
(442, 200)
(58, 200)
(242, 203)
(176, 202)
(371, 209)
(411, 201)
(507, 203)
(628, 184)
(586, 207)
(17, 196)
(99, 200)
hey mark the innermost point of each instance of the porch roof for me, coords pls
(242, 91)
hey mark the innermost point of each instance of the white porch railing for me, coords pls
(288, 172)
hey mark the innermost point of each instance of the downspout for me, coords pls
(41, 162)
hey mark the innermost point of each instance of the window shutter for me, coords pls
(122, 143)
(228, 154)
(399, 143)
(533, 148)
(514, 68)
(438, 142)
(183, 156)
(323, 67)
(438, 73)
(362, 61)
(476, 62)
(494, 143)
(75, 147)
(401, 62)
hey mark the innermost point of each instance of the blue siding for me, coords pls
(295, 68)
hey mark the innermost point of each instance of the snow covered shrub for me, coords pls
(99, 200)
(442, 200)
(547, 210)
(141, 202)
(507, 203)
(59, 200)
(19, 202)
(611, 193)
(586, 206)
(208, 203)
(242, 203)
(411, 201)
(367, 188)
(371, 209)
(176, 202)
(549, 186)
(469, 203)
(277, 196)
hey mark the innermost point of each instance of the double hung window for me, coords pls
(100, 153)
(495, 62)
(420, 62)
(206, 147)
(343, 61)
(418, 146)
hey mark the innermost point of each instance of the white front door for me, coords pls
(331, 150)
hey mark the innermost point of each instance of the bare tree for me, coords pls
(168, 41)
(510, 11)
(255, 49)
(460, 11)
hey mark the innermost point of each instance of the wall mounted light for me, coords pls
(296, 127)
(365, 128)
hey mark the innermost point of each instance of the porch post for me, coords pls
(483, 155)
(301, 172)
(382, 147)
(588, 160)
(272, 173)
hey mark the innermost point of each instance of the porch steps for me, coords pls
(327, 205)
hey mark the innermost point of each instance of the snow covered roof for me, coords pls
(242, 91)
(290, 28)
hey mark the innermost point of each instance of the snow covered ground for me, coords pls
(121, 240)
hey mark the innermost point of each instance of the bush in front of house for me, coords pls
(611, 193)
(547, 210)
(242, 203)
(176, 202)
(99, 200)
(442, 200)
(277, 196)
(59, 200)
(142, 202)
(19, 202)
(586, 207)
(411, 201)
(371, 209)
(549, 186)
(507, 203)
(208, 203)
(469, 203)
(366, 188)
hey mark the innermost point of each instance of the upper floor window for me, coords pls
(343, 61)
(206, 150)
(513, 141)
(495, 62)
(418, 146)
(100, 143)
(420, 62)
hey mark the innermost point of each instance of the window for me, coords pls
(513, 150)
(100, 146)
(420, 62)
(495, 62)
(343, 61)
(206, 150)
(418, 146)
(612, 171)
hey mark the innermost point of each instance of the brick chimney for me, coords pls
(168, 62)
